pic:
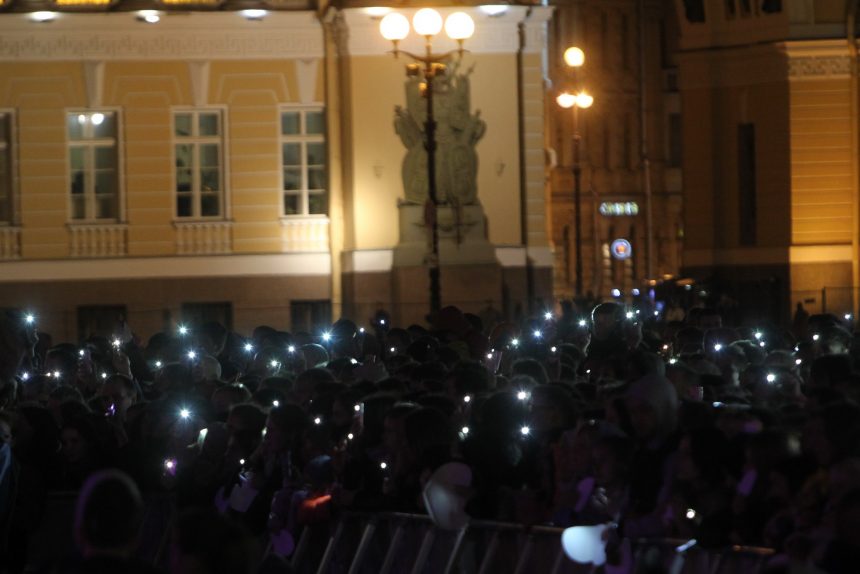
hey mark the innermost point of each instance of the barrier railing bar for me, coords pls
(487, 562)
(559, 560)
(329, 549)
(366, 537)
(393, 547)
(525, 554)
(455, 552)
(301, 547)
(424, 552)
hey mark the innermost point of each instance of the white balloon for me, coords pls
(446, 494)
(586, 544)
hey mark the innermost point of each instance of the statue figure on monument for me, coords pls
(458, 131)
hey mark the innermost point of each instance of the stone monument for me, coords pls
(465, 253)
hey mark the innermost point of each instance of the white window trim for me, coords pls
(303, 138)
(15, 199)
(120, 165)
(226, 203)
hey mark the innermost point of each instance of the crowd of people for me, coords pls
(683, 428)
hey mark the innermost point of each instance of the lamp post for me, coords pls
(427, 22)
(575, 58)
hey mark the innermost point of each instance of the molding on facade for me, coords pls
(10, 243)
(179, 36)
(367, 261)
(305, 234)
(743, 257)
(493, 34)
(818, 58)
(204, 237)
(277, 265)
(820, 254)
(98, 240)
(541, 256)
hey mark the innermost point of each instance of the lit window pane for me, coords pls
(78, 207)
(316, 153)
(210, 180)
(78, 182)
(209, 155)
(75, 124)
(105, 127)
(292, 204)
(105, 157)
(316, 178)
(105, 182)
(77, 158)
(183, 205)
(292, 154)
(105, 207)
(317, 203)
(315, 122)
(291, 123)
(292, 179)
(183, 180)
(208, 124)
(182, 125)
(210, 205)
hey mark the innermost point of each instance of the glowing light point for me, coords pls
(183, 330)
(104, 375)
(185, 413)
(467, 399)
(798, 361)
(357, 408)
(254, 14)
(673, 360)
(718, 347)
(158, 364)
(81, 353)
(30, 318)
(583, 322)
(547, 315)
(350, 436)
(525, 431)
(291, 349)
(326, 336)
(25, 376)
(276, 403)
(465, 430)
(522, 395)
(629, 314)
(553, 349)
(242, 461)
(192, 355)
(169, 464)
(383, 465)
(57, 374)
(489, 355)
(691, 514)
(537, 334)
(771, 377)
(274, 364)
(249, 347)
(816, 336)
(317, 421)
(393, 349)
(762, 344)
(758, 335)
(515, 342)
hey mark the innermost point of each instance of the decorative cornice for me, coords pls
(195, 36)
(833, 66)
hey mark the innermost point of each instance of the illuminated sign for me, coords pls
(612, 208)
(621, 249)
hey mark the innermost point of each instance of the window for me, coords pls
(201, 313)
(676, 146)
(309, 315)
(747, 184)
(100, 320)
(199, 160)
(93, 165)
(7, 180)
(303, 156)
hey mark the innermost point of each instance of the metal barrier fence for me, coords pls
(391, 543)
(411, 544)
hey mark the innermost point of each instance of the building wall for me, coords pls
(611, 151)
(253, 257)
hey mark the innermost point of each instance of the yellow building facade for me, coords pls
(769, 94)
(215, 166)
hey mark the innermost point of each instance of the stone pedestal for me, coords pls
(462, 238)
(470, 273)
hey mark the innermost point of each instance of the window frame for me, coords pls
(89, 144)
(303, 138)
(10, 147)
(196, 140)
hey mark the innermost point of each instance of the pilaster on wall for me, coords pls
(532, 123)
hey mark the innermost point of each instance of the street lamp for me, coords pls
(427, 22)
(575, 58)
